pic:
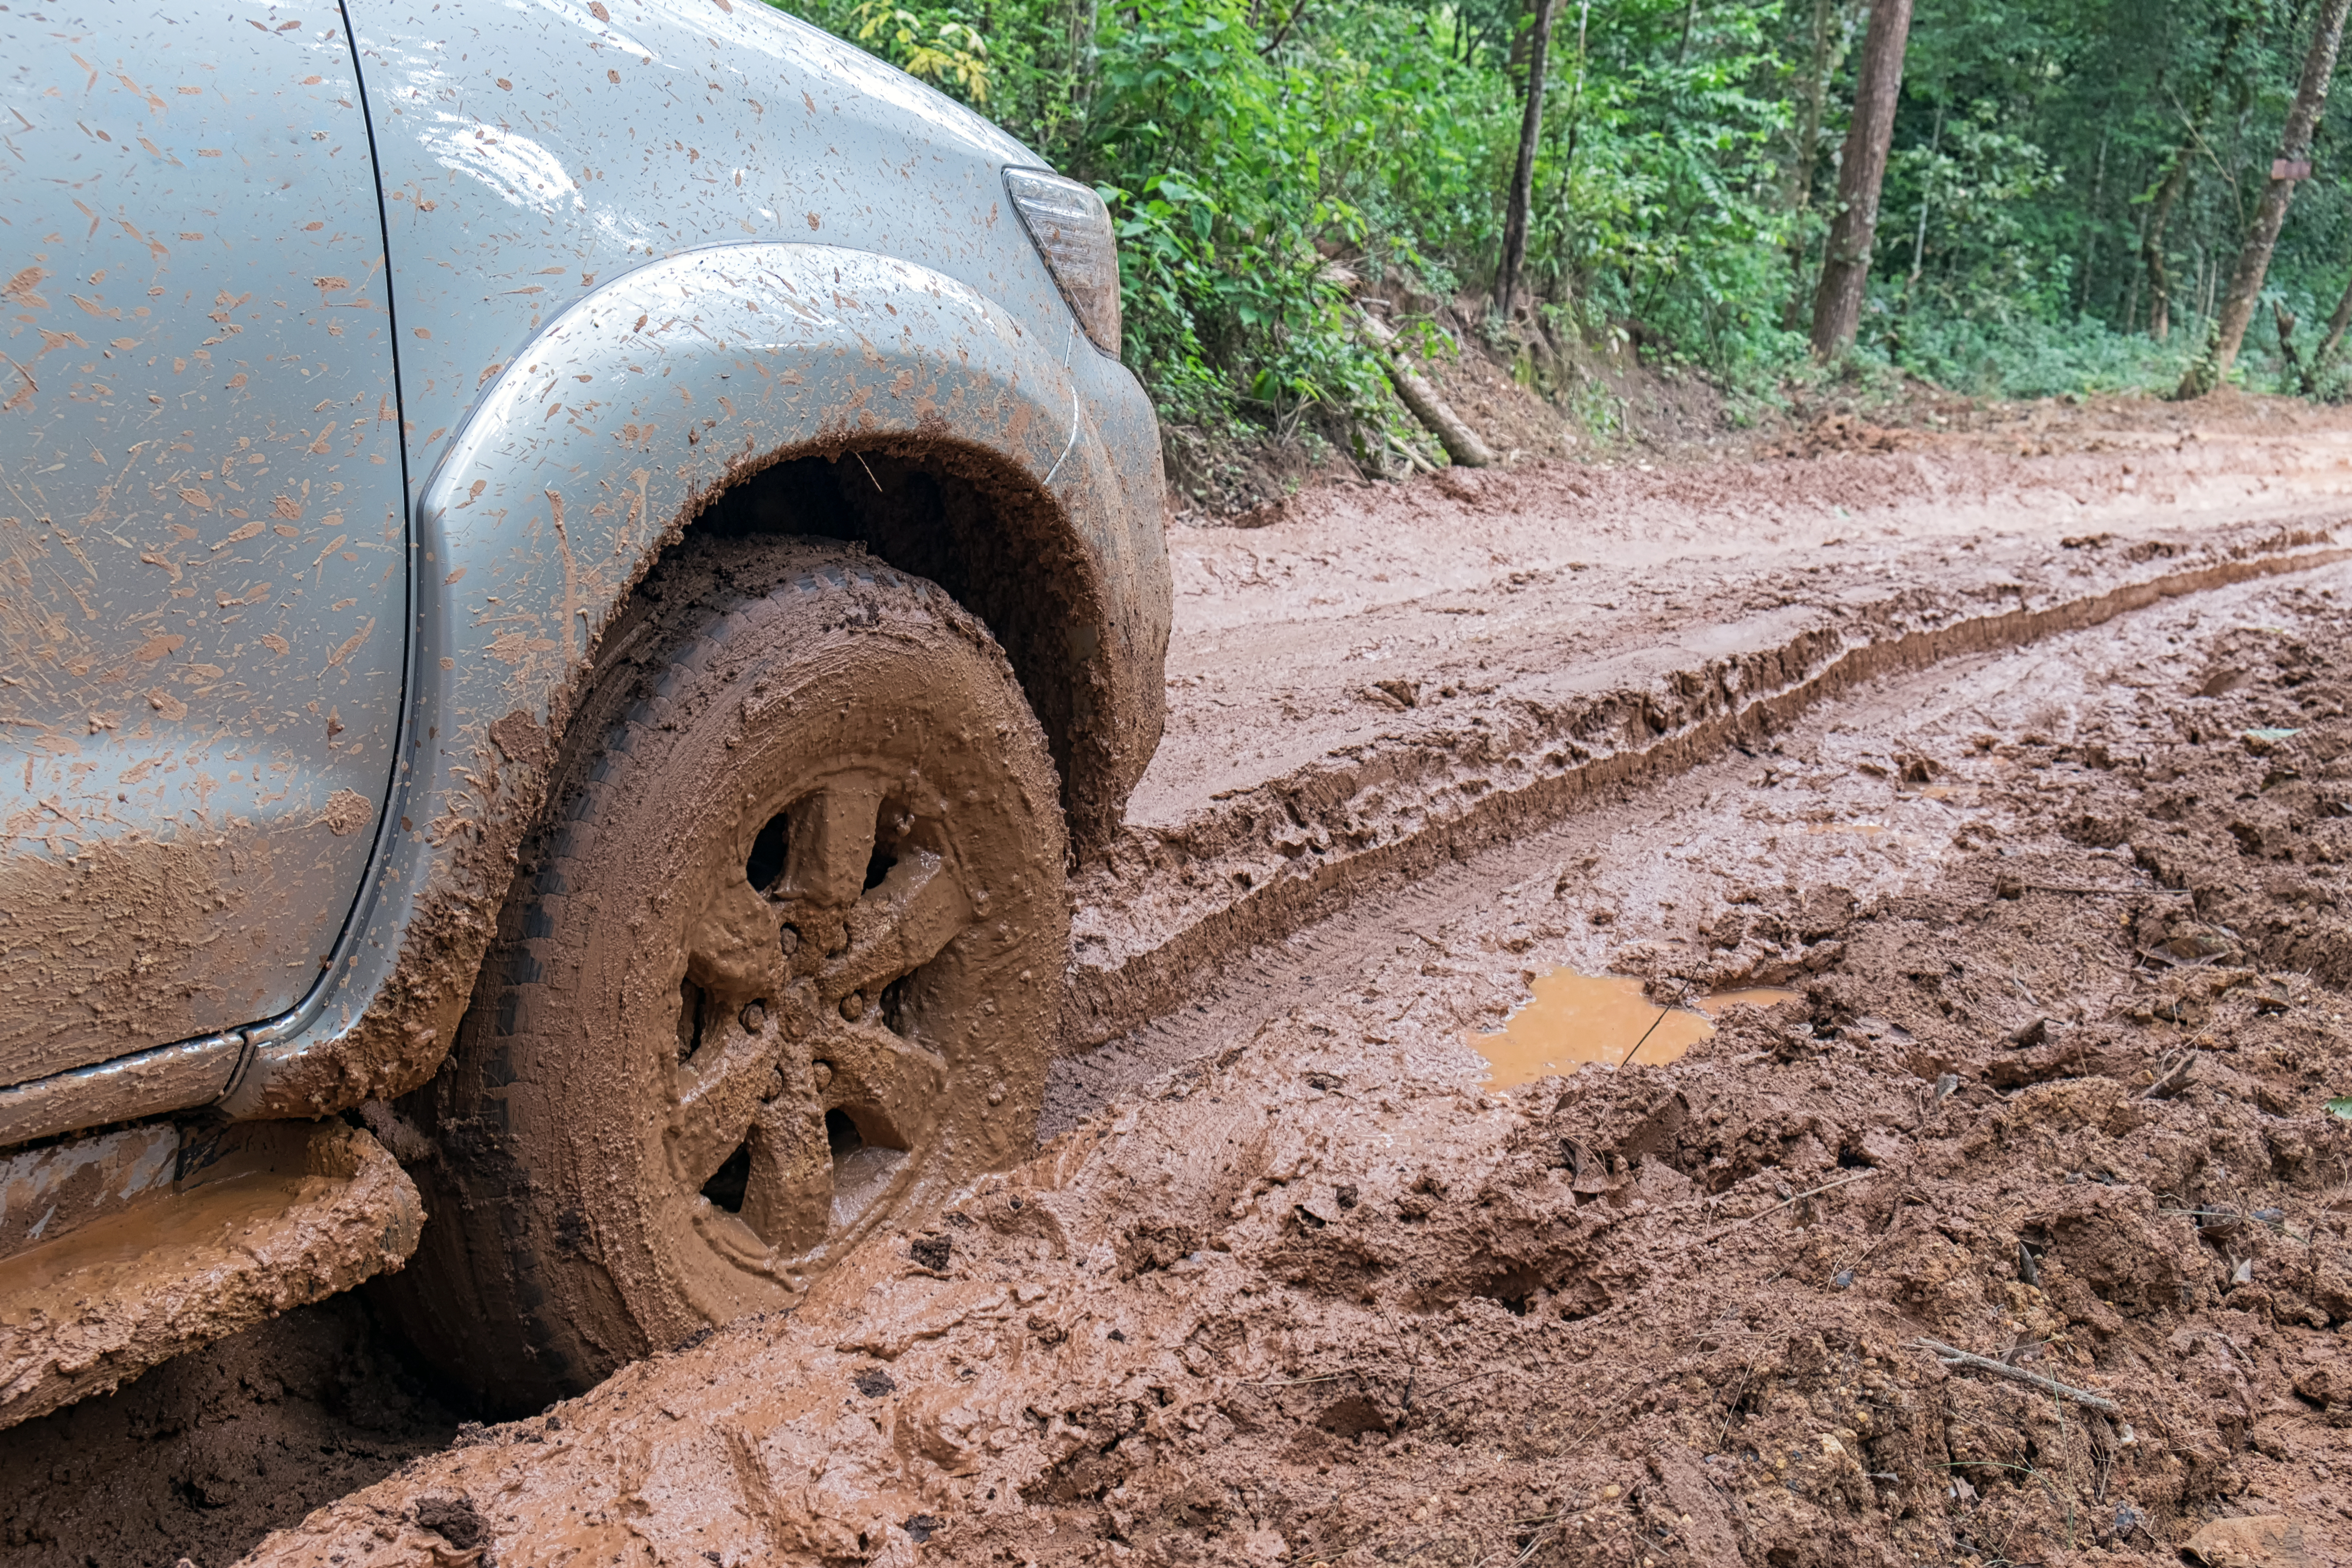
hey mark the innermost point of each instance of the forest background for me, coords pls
(2069, 187)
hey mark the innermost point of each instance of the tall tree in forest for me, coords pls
(1845, 269)
(1082, 56)
(1523, 173)
(1813, 99)
(2169, 189)
(2254, 259)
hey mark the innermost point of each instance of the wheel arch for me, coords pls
(707, 389)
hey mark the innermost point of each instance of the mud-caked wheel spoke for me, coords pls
(721, 1088)
(731, 949)
(832, 844)
(788, 1197)
(885, 1080)
(899, 926)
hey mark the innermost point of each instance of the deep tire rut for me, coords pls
(1567, 762)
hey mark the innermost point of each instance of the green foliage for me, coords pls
(1265, 160)
(938, 48)
(1994, 355)
(1973, 188)
(1251, 190)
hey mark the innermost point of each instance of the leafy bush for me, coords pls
(2027, 356)
(1265, 157)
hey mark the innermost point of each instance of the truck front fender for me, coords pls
(591, 450)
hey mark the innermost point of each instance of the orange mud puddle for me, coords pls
(1578, 1018)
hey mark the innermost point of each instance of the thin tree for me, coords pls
(2174, 185)
(1081, 68)
(2254, 259)
(1523, 173)
(1812, 96)
(1845, 269)
(2337, 323)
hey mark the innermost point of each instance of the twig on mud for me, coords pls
(1627, 1060)
(1550, 1527)
(1731, 1406)
(1894, 1213)
(2099, 892)
(1951, 1355)
(1683, 999)
(1296, 1382)
(1796, 1199)
(2169, 962)
(1461, 1381)
(2168, 1081)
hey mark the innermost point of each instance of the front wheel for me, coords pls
(781, 962)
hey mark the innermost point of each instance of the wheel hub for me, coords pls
(801, 1081)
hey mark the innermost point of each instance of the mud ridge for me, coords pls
(1715, 706)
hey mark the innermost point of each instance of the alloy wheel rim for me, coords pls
(804, 1093)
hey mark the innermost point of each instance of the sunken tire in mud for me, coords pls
(781, 962)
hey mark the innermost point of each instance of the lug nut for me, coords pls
(853, 1006)
(789, 940)
(775, 1089)
(824, 1074)
(755, 1018)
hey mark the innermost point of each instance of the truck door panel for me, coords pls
(202, 560)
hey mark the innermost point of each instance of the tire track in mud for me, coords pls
(1124, 1025)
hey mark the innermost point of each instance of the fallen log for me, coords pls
(1461, 443)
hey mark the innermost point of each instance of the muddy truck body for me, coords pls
(573, 574)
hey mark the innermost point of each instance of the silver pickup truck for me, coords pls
(573, 573)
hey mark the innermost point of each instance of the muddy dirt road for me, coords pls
(2034, 809)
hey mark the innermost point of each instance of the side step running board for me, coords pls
(125, 1251)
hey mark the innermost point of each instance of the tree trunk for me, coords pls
(1523, 173)
(1845, 270)
(1082, 57)
(2284, 319)
(1919, 235)
(2151, 248)
(2329, 340)
(2254, 260)
(2091, 225)
(1814, 94)
(2175, 184)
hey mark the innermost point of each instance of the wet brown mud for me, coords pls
(1318, 1296)
(203, 1455)
(1377, 682)
(1571, 1019)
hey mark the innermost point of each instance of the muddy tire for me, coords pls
(780, 963)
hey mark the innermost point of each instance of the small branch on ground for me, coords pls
(1795, 1198)
(1951, 1355)
(2169, 1080)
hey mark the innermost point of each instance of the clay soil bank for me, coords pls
(1291, 1284)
